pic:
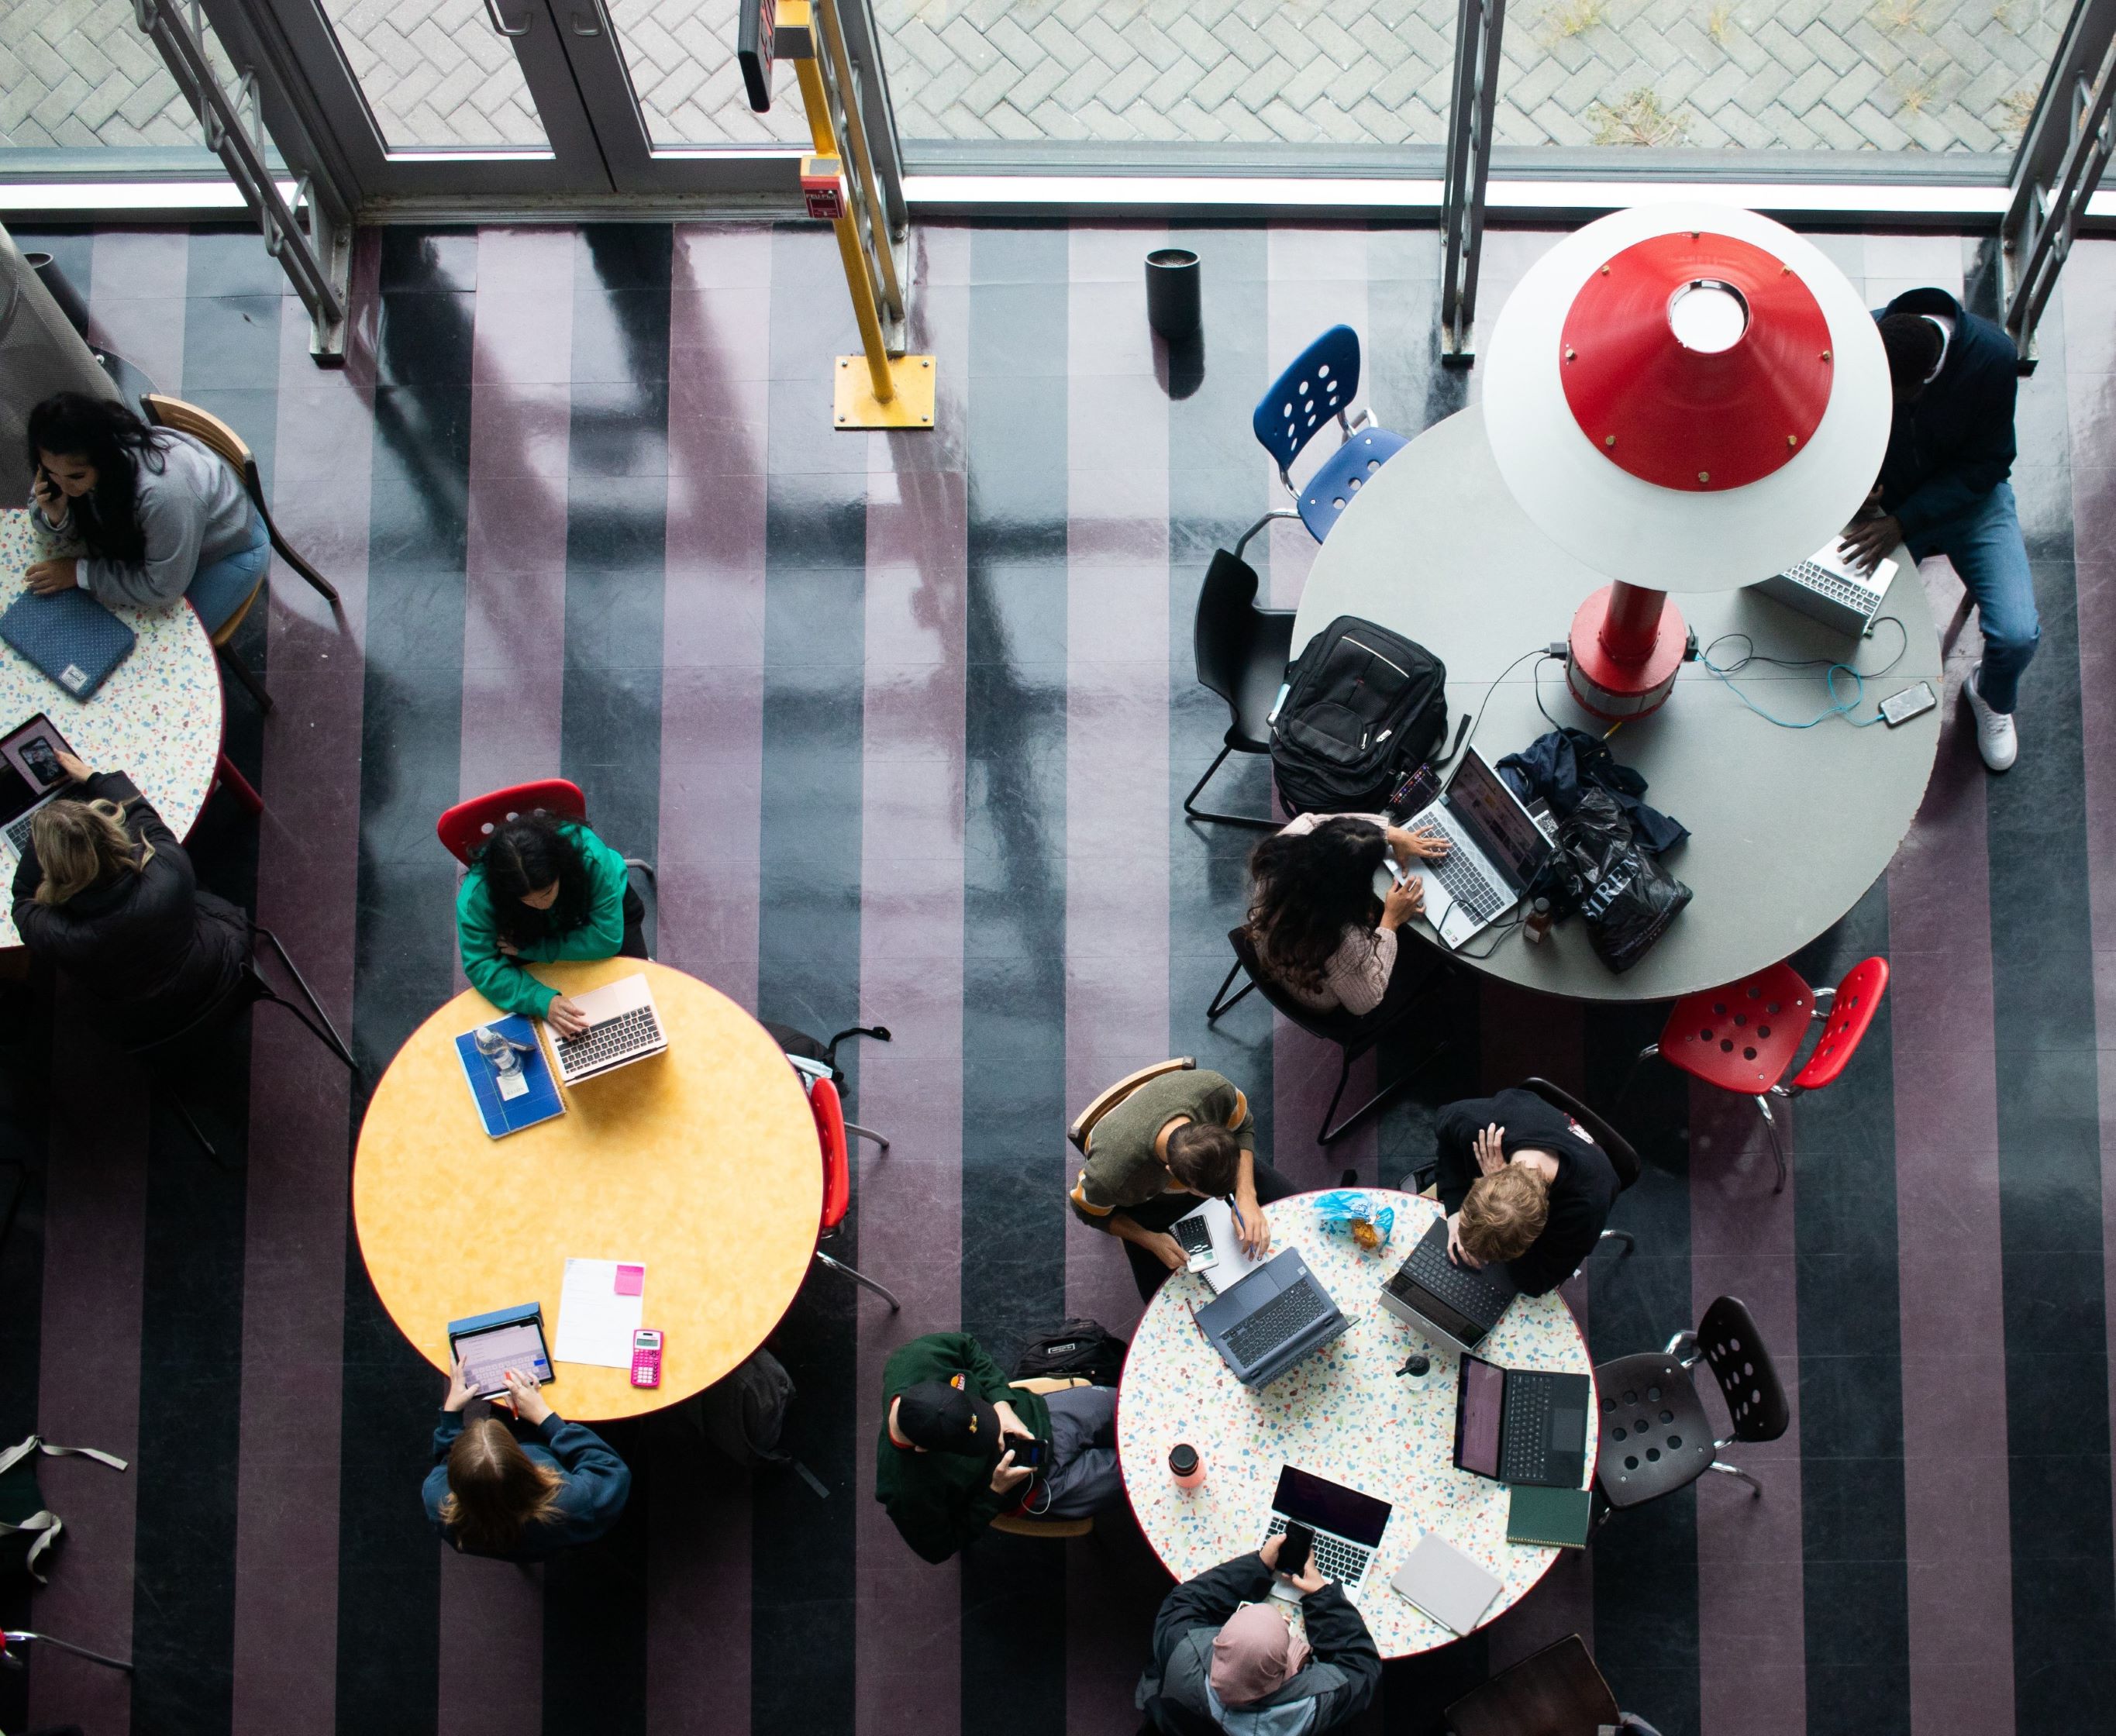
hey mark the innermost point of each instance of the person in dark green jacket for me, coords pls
(953, 1431)
(538, 891)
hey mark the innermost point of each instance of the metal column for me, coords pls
(2066, 146)
(1478, 30)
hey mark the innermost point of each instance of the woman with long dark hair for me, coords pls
(159, 512)
(1314, 918)
(538, 891)
(522, 1489)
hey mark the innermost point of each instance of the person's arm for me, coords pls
(445, 1431)
(1210, 1599)
(934, 1529)
(1569, 1235)
(29, 875)
(1984, 461)
(499, 979)
(603, 932)
(598, 1482)
(1337, 1636)
(1359, 970)
(1455, 1161)
(173, 524)
(991, 1380)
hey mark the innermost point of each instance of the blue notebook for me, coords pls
(501, 1114)
(71, 637)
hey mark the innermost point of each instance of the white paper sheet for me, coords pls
(596, 1324)
(1233, 1263)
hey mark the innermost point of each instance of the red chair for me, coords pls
(1743, 1037)
(467, 826)
(830, 1114)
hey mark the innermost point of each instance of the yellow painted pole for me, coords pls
(814, 100)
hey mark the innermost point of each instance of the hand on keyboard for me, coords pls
(1407, 899)
(1427, 841)
(565, 1017)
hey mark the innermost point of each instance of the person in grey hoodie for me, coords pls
(160, 515)
(1227, 1663)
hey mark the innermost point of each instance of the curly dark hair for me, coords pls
(525, 854)
(1914, 347)
(1306, 890)
(103, 433)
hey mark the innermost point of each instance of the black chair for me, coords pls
(1556, 1691)
(1241, 652)
(165, 1057)
(1656, 1436)
(1355, 1033)
(813, 1059)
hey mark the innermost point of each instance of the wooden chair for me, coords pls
(1015, 1524)
(164, 411)
(1556, 1691)
(1084, 1123)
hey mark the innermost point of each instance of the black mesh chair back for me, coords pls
(1241, 650)
(1622, 1158)
(1733, 1350)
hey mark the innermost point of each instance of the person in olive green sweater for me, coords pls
(540, 890)
(954, 1436)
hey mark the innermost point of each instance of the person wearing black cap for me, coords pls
(960, 1447)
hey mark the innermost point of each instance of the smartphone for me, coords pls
(1293, 1554)
(1912, 702)
(646, 1356)
(1026, 1452)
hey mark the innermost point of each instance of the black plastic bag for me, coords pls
(1626, 898)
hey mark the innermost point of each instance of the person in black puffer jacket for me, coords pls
(106, 893)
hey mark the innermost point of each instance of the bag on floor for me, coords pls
(28, 1528)
(1626, 897)
(1071, 1349)
(1363, 706)
(744, 1413)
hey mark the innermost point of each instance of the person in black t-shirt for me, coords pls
(1523, 1184)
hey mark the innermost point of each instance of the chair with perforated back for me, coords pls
(1021, 1524)
(1319, 387)
(464, 828)
(1623, 1157)
(223, 615)
(1656, 1436)
(1742, 1038)
(824, 1105)
(1241, 653)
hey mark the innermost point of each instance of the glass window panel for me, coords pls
(79, 75)
(1942, 77)
(436, 74)
(680, 56)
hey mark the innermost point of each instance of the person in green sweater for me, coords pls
(960, 1447)
(540, 890)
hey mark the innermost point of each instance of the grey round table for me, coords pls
(1788, 827)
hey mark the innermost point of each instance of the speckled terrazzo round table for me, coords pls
(1342, 1413)
(701, 1162)
(157, 717)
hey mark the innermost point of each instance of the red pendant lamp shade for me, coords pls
(1701, 418)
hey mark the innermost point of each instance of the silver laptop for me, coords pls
(1453, 1305)
(623, 1027)
(1828, 588)
(1496, 849)
(1348, 1525)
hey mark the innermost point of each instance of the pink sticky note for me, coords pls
(631, 1280)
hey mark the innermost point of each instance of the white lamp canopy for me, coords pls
(1712, 349)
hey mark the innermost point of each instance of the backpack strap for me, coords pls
(14, 1455)
(46, 1527)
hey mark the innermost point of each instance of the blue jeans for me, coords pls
(1984, 545)
(221, 587)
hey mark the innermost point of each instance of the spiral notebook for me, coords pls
(503, 1110)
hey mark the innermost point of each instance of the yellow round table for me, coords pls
(702, 1162)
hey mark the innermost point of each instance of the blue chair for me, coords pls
(1321, 384)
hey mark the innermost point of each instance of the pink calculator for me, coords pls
(646, 1358)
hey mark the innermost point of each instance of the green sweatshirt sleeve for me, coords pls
(499, 979)
(603, 933)
(992, 1384)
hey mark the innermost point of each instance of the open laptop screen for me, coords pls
(1478, 795)
(1484, 1406)
(1328, 1506)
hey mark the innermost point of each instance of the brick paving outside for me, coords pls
(1864, 74)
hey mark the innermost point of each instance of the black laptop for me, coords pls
(1271, 1319)
(1522, 1426)
(1456, 1304)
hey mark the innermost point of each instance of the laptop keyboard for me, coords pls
(17, 833)
(1460, 1286)
(1833, 586)
(1341, 1561)
(1275, 1322)
(1525, 1443)
(613, 1039)
(1465, 884)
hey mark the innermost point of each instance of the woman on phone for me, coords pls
(1314, 919)
(107, 894)
(159, 512)
(520, 1490)
(540, 890)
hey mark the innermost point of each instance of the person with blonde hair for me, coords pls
(520, 1490)
(1523, 1186)
(107, 895)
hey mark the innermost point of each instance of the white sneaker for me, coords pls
(1996, 739)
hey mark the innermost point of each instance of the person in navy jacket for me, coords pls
(1942, 488)
(520, 1491)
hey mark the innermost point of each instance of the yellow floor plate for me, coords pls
(912, 405)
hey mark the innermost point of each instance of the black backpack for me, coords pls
(1072, 1348)
(743, 1414)
(1363, 706)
